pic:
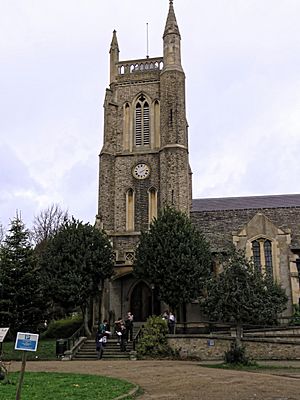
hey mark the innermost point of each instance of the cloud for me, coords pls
(242, 65)
(18, 190)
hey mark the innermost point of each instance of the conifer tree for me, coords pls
(75, 262)
(241, 294)
(175, 257)
(21, 300)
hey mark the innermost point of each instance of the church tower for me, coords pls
(144, 161)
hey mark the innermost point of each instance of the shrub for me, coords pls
(237, 355)
(63, 328)
(296, 316)
(154, 342)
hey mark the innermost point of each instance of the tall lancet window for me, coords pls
(152, 196)
(142, 122)
(268, 257)
(256, 254)
(262, 255)
(130, 210)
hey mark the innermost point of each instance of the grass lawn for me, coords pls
(46, 351)
(252, 367)
(60, 386)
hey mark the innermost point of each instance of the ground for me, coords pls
(184, 380)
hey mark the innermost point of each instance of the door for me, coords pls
(140, 302)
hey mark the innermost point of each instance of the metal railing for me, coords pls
(136, 338)
(75, 337)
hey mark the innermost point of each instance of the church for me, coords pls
(144, 165)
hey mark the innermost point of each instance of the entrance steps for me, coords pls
(111, 351)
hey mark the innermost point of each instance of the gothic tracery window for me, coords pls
(262, 255)
(256, 254)
(142, 122)
(268, 257)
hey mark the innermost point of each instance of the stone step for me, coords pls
(111, 351)
(121, 356)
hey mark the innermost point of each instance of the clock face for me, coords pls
(141, 171)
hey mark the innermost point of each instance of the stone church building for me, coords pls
(144, 165)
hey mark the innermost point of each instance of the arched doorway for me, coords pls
(144, 302)
(140, 302)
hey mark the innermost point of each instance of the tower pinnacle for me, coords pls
(114, 57)
(114, 42)
(171, 24)
(171, 37)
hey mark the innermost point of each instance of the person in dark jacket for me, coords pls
(123, 338)
(99, 344)
(129, 326)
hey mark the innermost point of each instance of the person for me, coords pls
(123, 337)
(99, 344)
(165, 315)
(104, 327)
(118, 324)
(171, 323)
(129, 326)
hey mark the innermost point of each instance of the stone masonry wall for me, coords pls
(219, 225)
(214, 347)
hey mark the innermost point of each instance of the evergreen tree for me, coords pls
(21, 300)
(175, 257)
(75, 263)
(241, 294)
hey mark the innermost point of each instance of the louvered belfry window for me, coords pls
(142, 122)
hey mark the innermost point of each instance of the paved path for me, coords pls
(185, 380)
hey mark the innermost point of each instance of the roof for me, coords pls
(247, 202)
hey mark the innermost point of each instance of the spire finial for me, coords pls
(171, 24)
(114, 42)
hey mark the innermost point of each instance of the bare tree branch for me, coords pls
(47, 222)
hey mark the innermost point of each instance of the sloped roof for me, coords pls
(247, 202)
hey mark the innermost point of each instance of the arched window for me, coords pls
(130, 210)
(268, 257)
(126, 127)
(142, 122)
(262, 255)
(156, 124)
(256, 255)
(152, 196)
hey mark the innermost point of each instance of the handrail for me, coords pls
(136, 338)
(75, 337)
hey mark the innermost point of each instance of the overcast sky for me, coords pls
(242, 65)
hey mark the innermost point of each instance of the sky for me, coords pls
(242, 64)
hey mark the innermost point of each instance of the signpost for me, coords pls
(3, 370)
(3, 332)
(25, 342)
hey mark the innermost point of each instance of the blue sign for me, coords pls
(26, 341)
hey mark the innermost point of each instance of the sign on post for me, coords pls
(26, 341)
(3, 332)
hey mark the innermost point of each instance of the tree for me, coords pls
(21, 300)
(175, 257)
(241, 294)
(75, 263)
(47, 223)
